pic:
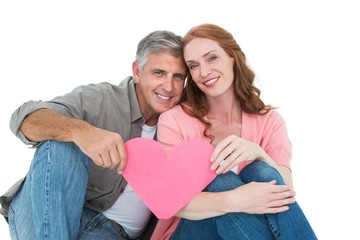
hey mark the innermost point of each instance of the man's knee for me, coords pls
(62, 153)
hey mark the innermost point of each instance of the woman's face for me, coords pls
(211, 68)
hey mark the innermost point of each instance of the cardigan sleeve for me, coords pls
(270, 132)
(275, 140)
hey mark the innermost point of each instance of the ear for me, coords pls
(136, 72)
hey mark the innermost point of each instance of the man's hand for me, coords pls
(105, 148)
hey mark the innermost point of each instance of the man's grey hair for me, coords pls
(158, 42)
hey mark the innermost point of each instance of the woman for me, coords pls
(252, 196)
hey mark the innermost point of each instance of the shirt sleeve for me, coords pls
(84, 102)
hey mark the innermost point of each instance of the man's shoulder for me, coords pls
(124, 84)
(124, 88)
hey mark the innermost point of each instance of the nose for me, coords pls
(168, 84)
(204, 71)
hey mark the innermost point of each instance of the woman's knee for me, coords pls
(224, 182)
(260, 171)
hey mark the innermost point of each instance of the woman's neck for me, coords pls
(225, 109)
(225, 118)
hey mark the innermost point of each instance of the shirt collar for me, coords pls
(134, 104)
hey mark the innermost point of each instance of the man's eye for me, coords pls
(159, 74)
(179, 77)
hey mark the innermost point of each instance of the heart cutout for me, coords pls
(167, 183)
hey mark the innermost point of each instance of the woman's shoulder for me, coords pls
(178, 116)
(271, 116)
(177, 111)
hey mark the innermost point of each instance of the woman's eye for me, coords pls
(212, 58)
(192, 66)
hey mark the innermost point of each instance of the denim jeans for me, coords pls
(289, 225)
(50, 205)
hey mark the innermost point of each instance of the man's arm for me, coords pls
(45, 124)
(105, 148)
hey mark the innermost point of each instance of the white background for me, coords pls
(305, 55)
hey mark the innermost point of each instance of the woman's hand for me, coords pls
(260, 198)
(252, 198)
(233, 150)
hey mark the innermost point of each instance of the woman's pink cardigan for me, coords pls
(269, 131)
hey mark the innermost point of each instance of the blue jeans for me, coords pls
(289, 225)
(50, 205)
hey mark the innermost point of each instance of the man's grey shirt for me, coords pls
(111, 107)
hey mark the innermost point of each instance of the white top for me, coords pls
(129, 210)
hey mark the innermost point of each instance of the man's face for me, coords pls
(159, 85)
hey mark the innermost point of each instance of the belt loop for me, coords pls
(119, 229)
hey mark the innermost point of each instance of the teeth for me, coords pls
(210, 81)
(163, 97)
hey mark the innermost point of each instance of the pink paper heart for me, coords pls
(167, 183)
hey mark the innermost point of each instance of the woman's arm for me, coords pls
(253, 198)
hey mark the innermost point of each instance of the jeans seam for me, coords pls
(47, 187)
(13, 225)
(236, 224)
(275, 231)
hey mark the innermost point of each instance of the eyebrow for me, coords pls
(158, 70)
(204, 55)
(166, 72)
(180, 75)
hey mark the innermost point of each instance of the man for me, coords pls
(74, 188)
